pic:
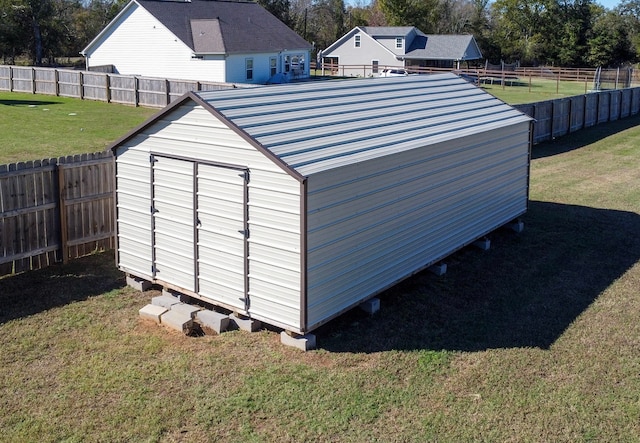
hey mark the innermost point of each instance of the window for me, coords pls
(273, 66)
(248, 64)
(374, 66)
(356, 41)
(287, 63)
(398, 42)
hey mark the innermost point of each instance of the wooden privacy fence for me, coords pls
(55, 210)
(555, 118)
(59, 209)
(101, 86)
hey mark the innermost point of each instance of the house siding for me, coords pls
(140, 45)
(368, 51)
(390, 43)
(192, 133)
(236, 72)
(373, 224)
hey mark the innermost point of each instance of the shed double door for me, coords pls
(199, 228)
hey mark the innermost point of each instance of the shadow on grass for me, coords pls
(523, 292)
(583, 137)
(28, 103)
(37, 291)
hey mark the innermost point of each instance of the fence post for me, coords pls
(135, 91)
(81, 85)
(167, 87)
(585, 113)
(33, 80)
(56, 79)
(63, 212)
(551, 120)
(107, 85)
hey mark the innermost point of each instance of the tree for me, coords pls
(325, 22)
(610, 45)
(567, 27)
(13, 32)
(279, 8)
(419, 13)
(518, 28)
(630, 11)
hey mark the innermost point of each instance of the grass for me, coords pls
(33, 127)
(536, 339)
(536, 89)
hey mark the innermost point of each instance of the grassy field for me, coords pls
(65, 126)
(535, 340)
(536, 89)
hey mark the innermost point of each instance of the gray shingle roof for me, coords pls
(443, 47)
(423, 46)
(388, 31)
(209, 26)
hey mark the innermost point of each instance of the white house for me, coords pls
(293, 203)
(206, 40)
(375, 47)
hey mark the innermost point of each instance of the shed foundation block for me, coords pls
(152, 312)
(370, 306)
(438, 269)
(185, 309)
(244, 323)
(177, 295)
(138, 284)
(165, 300)
(211, 321)
(177, 321)
(517, 226)
(303, 342)
(483, 244)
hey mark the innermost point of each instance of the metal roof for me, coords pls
(316, 126)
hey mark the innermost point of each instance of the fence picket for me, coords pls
(52, 209)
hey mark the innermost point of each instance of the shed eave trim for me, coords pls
(248, 138)
(151, 120)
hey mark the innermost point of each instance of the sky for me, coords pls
(609, 4)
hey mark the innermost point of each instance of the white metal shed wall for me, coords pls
(377, 222)
(191, 132)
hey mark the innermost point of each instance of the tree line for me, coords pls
(570, 33)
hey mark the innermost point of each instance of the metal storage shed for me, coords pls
(292, 204)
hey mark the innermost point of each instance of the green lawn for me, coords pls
(535, 340)
(526, 90)
(34, 127)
